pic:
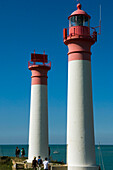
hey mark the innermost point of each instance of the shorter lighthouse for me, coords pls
(38, 128)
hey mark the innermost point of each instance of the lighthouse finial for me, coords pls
(79, 6)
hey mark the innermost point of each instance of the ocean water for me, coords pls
(104, 153)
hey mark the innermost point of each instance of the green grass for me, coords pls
(5, 163)
(18, 159)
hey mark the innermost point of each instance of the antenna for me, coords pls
(94, 28)
(100, 21)
(100, 12)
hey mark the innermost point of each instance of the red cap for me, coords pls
(79, 6)
(79, 12)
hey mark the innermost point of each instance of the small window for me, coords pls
(86, 21)
(80, 20)
(73, 21)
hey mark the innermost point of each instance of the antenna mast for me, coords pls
(100, 21)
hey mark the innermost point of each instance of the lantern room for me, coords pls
(79, 18)
(79, 27)
(79, 22)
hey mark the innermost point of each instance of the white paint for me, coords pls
(80, 128)
(38, 130)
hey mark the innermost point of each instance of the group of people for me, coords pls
(35, 163)
(17, 152)
(38, 163)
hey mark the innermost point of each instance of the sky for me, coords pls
(26, 25)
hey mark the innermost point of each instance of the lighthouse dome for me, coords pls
(79, 12)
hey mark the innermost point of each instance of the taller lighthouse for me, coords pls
(38, 129)
(80, 127)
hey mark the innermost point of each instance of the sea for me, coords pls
(104, 154)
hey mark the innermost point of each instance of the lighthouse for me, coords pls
(38, 128)
(80, 126)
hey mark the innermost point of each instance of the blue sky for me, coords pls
(26, 25)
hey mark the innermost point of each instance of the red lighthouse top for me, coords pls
(79, 12)
(39, 61)
(79, 27)
(39, 66)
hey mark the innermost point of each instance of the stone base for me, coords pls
(57, 167)
(66, 167)
(29, 161)
(28, 165)
(83, 167)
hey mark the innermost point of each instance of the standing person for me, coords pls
(22, 152)
(17, 152)
(34, 163)
(45, 163)
(49, 152)
(39, 162)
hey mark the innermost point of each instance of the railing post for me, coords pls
(74, 31)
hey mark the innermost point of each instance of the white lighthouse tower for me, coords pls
(80, 128)
(38, 129)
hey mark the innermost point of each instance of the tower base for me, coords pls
(83, 167)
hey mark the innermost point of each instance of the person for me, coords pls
(22, 152)
(99, 168)
(34, 163)
(49, 152)
(39, 162)
(45, 163)
(17, 152)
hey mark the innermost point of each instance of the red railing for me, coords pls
(30, 63)
(80, 31)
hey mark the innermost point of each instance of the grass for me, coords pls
(18, 159)
(5, 163)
